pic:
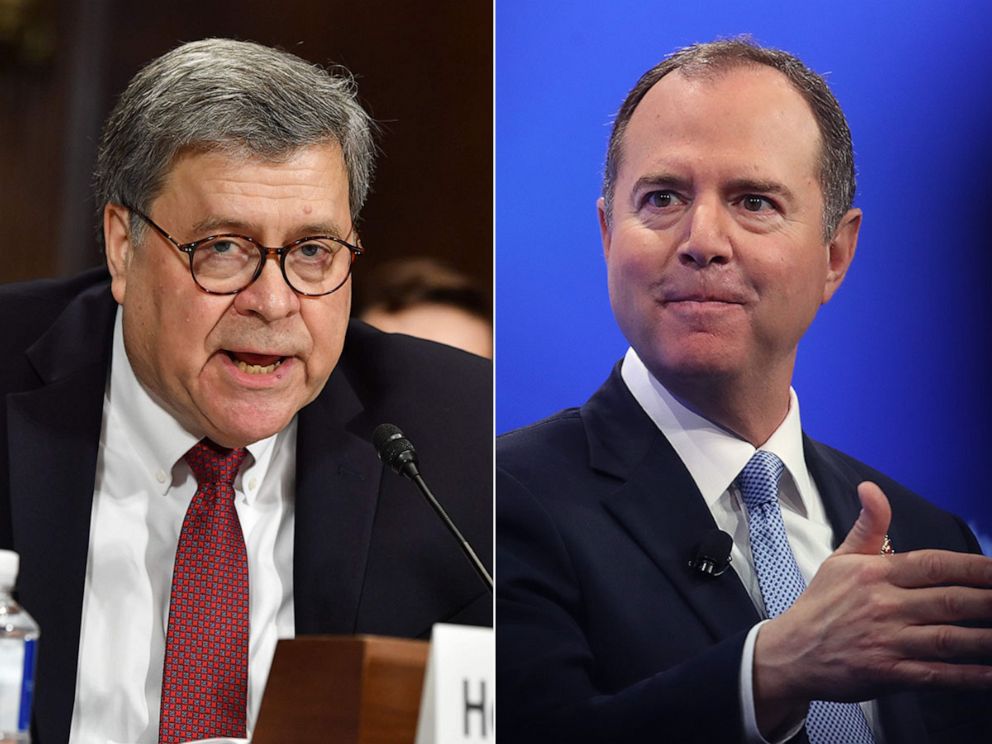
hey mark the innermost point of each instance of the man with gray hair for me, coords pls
(186, 468)
(677, 560)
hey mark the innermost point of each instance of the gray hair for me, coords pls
(836, 162)
(228, 96)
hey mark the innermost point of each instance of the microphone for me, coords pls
(396, 451)
(713, 553)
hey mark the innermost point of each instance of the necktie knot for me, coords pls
(212, 463)
(758, 480)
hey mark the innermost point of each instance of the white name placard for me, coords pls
(458, 704)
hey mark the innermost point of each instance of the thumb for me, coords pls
(868, 533)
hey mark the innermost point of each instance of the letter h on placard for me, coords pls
(477, 705)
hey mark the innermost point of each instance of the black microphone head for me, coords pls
(385, 433)
(395, 450)
(713, 553)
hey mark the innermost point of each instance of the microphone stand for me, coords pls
(396, 451)
(439, 510)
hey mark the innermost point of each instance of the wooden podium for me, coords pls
(343, 689)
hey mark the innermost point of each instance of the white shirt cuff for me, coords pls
(751, 733)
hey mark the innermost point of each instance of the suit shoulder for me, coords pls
(408, 363)
(545, 447)
(427, 389)
(922, 523)
(37, 304)
(54, 293)
(545, 432)
(858, 471)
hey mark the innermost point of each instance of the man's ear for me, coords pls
(841, 252)
(117, 240)
(604, 227)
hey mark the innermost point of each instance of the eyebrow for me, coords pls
(736, 185)
(759, 186)
(214, 225)
(665, 180)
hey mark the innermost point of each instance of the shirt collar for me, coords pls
(713, 456)
(158, 439)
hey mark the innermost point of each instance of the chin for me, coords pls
(668, 347)
(240, 426)
(232, 439)
(692, 364)
(694, 371)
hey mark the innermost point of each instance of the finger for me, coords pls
(946, 604)
(915, 673)
(945, 642)
(868, 533)
(934, 568)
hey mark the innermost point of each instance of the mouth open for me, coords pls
(255, 364)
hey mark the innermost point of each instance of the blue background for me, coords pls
(895, 369)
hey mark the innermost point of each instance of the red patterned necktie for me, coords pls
(205, 676)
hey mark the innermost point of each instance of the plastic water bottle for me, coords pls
(18, 654)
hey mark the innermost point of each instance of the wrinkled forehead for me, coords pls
(238, 154)
(267, 199)
(322, 162)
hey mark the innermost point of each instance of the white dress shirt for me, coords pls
(143, 488)
(714, 458)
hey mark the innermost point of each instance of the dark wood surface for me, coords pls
(347, 690)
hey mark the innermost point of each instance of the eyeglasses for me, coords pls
(226, 264)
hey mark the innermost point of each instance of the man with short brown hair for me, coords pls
(726, 221)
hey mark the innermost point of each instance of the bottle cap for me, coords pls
(9, 563)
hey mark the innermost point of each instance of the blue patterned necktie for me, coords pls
(781, 584)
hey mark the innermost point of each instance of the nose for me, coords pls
(707, 240)
(269, 297)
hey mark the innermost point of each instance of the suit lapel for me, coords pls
(659, 505)
(899, 713)
(837, 491)
(337, 489)
(838, 486)
(901, 718)
(53, 433)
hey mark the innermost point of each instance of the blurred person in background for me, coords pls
(423, 297)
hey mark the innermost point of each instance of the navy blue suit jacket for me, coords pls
(369, 555)
(604, 633)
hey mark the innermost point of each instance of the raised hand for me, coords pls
(868, 624)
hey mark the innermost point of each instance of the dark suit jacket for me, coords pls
(604, 633)
(369, 554)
